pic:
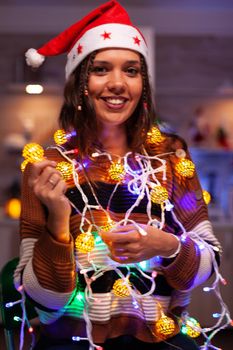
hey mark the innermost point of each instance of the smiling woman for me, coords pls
(114, 229)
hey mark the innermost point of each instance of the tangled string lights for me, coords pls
(142, 183)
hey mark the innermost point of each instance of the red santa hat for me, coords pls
(108, 26)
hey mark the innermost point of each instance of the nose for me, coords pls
(116, 82)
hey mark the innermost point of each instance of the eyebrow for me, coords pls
(109, 62)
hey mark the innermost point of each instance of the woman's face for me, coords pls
(115, 85)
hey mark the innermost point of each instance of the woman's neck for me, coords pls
(114, 140)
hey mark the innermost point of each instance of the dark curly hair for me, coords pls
(83, 120)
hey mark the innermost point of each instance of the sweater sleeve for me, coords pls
(47, 267)
(194, 263)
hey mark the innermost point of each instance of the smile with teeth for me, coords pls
(116, 101)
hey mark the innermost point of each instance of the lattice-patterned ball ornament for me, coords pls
(185, 167)
(158, 194)
(85, 242)
(120, 288)
(108, 226)
(60, 137)
(191, 327)
(24, 164)
(165, 326)
(206, 197)
(116, 172)
(66, 170)
(33, 152)
(154, 136)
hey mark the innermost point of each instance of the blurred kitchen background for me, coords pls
(191, 67)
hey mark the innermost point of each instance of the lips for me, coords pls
(116, 102)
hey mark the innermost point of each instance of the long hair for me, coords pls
(77, 112)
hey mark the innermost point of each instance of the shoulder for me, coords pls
(166, 143)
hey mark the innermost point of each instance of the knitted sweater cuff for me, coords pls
(56, 251)
(182, 271)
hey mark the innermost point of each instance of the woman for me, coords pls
(110, 255)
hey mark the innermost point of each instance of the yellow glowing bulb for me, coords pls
(60, 137)
(66, 170)
(108, 226)
(33, 152)
(206, 197)
(13, 208)
(192, 327)
(24, 164)
(120, 288)
(155, 136)
(158, 194)
(85, 242)
(165, 326)
(116, 172)
(185, 167)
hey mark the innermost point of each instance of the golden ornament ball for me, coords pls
(85, 242)
(165, 326)
(116, 172)
(158, 194)
(66, 170)
(192, 327)
(154, 136)
(24, 164)
(60, 137)
(185, 168)
(33, 152)
(108, 226)
(120, 288)
(206, 197)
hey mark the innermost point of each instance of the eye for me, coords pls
(99, 70)
(132, 71)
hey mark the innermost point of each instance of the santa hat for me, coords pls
(108, 26)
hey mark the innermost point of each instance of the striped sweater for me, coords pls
(51, 272)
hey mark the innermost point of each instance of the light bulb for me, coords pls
(33, 152)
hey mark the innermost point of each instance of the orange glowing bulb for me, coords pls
(13, 208)
(154, 136)
(85, 242)
(108, 226)
(60, 137)
(185, 167)
(116, 172)
(206, 197)
(192, 327)
(165, 326)
(66, 170)
(120, 288)
(158, 194)
(24, 164)
(33, 152)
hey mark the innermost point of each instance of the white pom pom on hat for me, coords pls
(33, 58)
(108, 26)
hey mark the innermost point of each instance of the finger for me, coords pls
(49, 176)
(128, 248)
(61, 187)
(123, 228)
(54, 179)
(120, 259)
(121, 237)
(37, 168)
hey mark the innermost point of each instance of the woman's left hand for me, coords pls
(127, 245)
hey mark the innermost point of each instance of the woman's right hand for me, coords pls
(49, 187)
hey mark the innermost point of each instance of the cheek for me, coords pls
(95, 86)
(137, 89)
